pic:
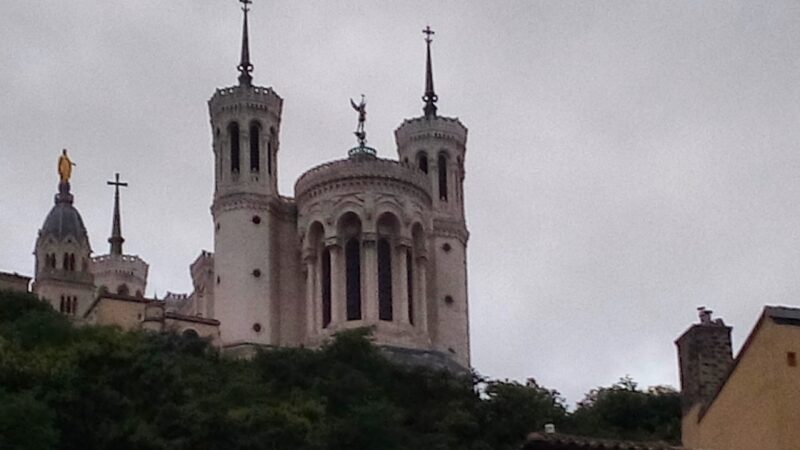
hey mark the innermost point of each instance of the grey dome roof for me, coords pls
(64, 220)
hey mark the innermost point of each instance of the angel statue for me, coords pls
(361, 135)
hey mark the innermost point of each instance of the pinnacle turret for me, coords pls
(430, 98)
(245, 67)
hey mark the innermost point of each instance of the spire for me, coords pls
(116, 239)
(245, 67)
(430, 98)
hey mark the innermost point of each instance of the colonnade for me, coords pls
(328, 297)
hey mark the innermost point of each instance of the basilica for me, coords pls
(363, 242)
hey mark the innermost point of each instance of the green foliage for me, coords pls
(66, 387)
(623, 411)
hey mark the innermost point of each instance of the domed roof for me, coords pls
(64, 220)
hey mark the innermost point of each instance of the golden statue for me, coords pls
(65, 167)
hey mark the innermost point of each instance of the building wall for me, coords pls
(14, 282)
(759, 405)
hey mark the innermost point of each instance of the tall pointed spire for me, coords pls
(430, 98)
(245, 67)
(116, 238)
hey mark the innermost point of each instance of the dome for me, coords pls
(64, 220)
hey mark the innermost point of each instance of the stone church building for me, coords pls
(363, 242)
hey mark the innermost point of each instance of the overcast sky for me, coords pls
(627, 161)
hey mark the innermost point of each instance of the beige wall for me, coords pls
(759, 406)
(14, 282)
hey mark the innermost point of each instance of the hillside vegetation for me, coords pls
(66, 387)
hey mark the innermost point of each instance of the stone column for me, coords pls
(338, 294)
(369, 278)
(311, 297)
(400, 282)
(421, 288)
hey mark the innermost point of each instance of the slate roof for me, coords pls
(555, 441)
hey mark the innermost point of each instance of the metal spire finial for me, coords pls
(116, 238)
(245, 67)
(430, 98)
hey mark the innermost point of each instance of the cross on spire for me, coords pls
(116, 238)
(430, 98)
(245, 67)
(429, 33)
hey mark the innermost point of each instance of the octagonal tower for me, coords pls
(436, 146)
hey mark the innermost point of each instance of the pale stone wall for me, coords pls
(126, 313)
(202, 271)
(759, 404)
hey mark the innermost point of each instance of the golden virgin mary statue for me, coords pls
(64, 167)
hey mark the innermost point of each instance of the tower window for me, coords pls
(326, 287)
(233, 137)
(791, 359)
(62, 306)
(72, 262)
(384, 279)
(353, 278)
(255, 137)
(422, 162)
(65, 262)
(122, 289)
(442, 163)
(410, 281)
(269, 154)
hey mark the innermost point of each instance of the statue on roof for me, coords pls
(361, 108)
(65, 167)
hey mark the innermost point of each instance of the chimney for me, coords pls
(705, 355)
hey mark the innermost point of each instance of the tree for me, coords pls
(623, 411)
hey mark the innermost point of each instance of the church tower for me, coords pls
(436, 146)
(245, 122)
(117, 272)
(62, 274)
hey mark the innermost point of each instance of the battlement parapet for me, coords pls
(236, 97)
(421, 128)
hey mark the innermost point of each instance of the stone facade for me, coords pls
(364, 242)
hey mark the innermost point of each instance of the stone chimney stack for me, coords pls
(705, 355)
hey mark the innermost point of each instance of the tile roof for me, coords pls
(555, 441)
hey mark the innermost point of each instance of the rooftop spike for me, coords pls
(116, 238)
(430, 98)
(245, 67)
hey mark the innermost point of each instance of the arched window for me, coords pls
(422, 162)
(326, 287)
(384, 279)
(255, 137)
(190, 334)
(72, 262)
(410, 281)
(122, 289)
(65, 262)
(74, 308)
(353, 278)
(442, 163)
(270, 150)
(62, 306)
(233, 137)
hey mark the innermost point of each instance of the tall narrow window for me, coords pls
(233, 137)
(384, 279)
(72, 262)
(255, 137)
(326, 287)
(353, 281)
(65, 262)
(410, 281)
(62, 306)
(443, 177)
(74, 308)
(422, 162)
(269, 156)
